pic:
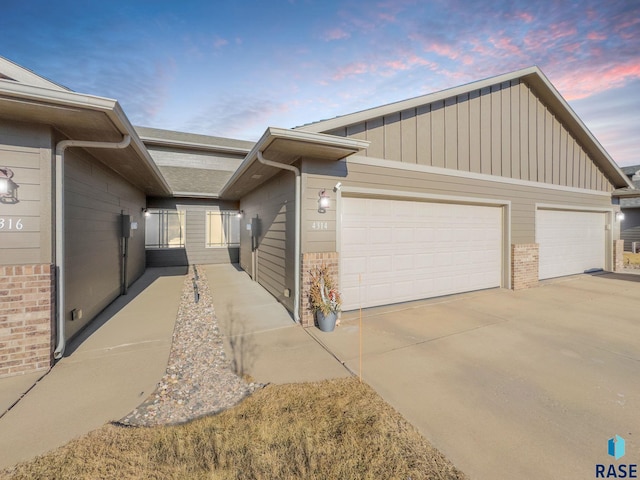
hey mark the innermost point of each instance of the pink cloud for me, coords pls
(526, 17)
(220, 42)
(504, 43)
(596, 36)
(335, 34)
(582, 83)
(350, 70)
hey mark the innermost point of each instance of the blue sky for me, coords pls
(232, 68)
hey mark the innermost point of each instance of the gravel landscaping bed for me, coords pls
(199, 379)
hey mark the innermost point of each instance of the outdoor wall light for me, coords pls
(337, 187)
(240, 214)
(323, 201)
(8, 188)
(146, 212)
(619, 216)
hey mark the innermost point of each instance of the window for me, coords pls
(222, 229)
(164, 229)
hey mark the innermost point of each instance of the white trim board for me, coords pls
(376, 162)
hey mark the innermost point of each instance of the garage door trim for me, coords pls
(359, 192)
(609, 224)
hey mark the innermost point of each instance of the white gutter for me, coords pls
(296, 265)
(60, 273)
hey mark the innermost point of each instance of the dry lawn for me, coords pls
(631, 259)
(338, 429)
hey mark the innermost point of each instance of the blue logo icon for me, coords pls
(616, 447)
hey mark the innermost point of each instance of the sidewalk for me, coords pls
(260, 334)
(106, 372)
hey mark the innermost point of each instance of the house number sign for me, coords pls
(11, 223)
(320, 226)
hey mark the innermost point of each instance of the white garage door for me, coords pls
(406, 250)
(569, 242)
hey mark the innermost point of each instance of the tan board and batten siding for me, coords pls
(27, 151)
(94, 198)
(273, 204)
(501, 131)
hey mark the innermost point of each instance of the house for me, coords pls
(493, 184)
(630, 207)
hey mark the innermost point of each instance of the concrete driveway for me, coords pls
(518, 385)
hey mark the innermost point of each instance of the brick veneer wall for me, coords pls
(524, 265)
(26, 318)
(310, 261)
(618, 255)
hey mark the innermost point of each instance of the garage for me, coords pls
(397, 250)
(570, 242)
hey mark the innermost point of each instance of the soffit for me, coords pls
(102, 121)
(286, 147)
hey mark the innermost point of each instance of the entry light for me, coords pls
(619, 216)
(240, 214)
(323, 201)
(8, 188)
(146, 212)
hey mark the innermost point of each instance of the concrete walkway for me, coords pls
(524, 385)
(107, 371)
(260, 334)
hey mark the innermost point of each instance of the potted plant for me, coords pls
(325, 298)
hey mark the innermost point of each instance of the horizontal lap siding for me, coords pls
(94, 199)
(502, 130)
(522, 198)
(195, 252)
(273, 204)
(27, 151)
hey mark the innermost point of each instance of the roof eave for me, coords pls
(349, 145)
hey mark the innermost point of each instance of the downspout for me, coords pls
(60, 273)
(296, 265)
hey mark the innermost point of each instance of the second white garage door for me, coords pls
(570, 242)
(396, 251)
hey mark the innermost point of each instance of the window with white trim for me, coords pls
(164, 228)
(222, 229)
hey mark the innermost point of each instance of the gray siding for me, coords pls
(25, 236)
(94, 199)
(273, 205)
(195, 251)
(630, 227)
(503, 130)
(523, 198)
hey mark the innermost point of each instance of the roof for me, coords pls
(80, 117)
(285, 146)
(13, 72)
(194, 165)
(532, 77)
(630, 170)
(156, 136)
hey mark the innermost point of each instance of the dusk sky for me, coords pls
(233, 68)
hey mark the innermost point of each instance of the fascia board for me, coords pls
(108, 106)
(375, 112)
(194, 146)
(273, 133)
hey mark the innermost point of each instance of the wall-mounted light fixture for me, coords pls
(619, 216)
(337, 187)
(8, 188)
(146, 212)
(240, 214)
(323, 201)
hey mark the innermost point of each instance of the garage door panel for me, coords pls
(570, 242)
(435, 249)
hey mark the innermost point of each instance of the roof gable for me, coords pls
(532, 77)
(13, 72)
